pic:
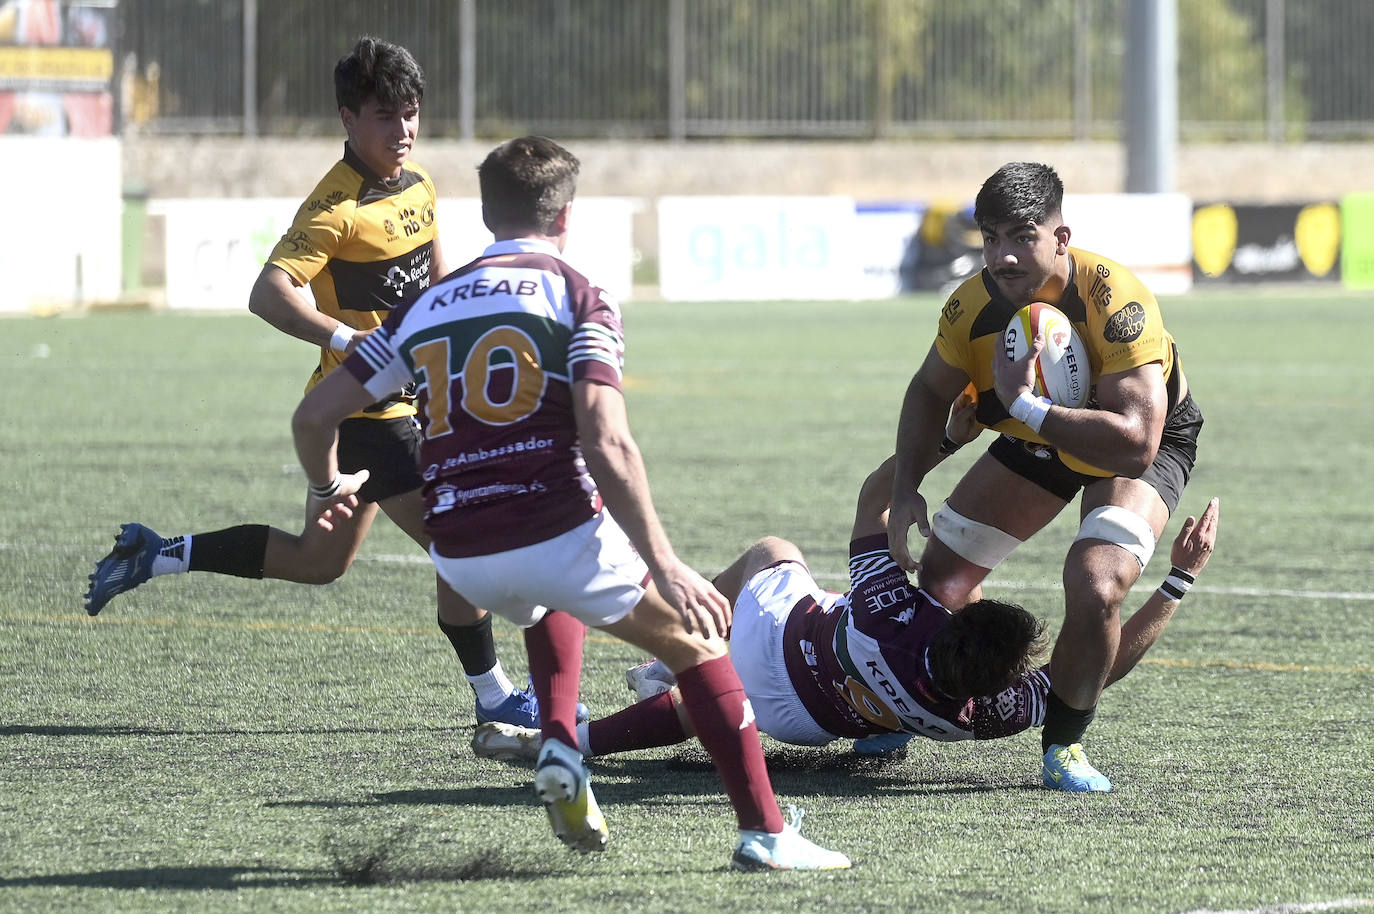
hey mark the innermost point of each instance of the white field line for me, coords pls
(1355, 596)
(419, 558)
(1343, 904)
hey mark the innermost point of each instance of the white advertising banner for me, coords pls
(215, 248)
(60, 239)
(741, 248)
(884, 231)
(600, 238)
(1150, 234)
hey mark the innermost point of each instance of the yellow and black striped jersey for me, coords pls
(1112, 310)
(363, 244)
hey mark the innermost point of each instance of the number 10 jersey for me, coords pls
(495, 349)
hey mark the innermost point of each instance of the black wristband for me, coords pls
(1177, 584)
(949, 446)
(327, 490)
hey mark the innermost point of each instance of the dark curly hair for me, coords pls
(380, 69)
(985, 646)
(1019, 192)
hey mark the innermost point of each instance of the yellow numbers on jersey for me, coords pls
(499, 349)
(869, 705)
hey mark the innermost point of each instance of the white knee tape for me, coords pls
(1122, 527)
(982, 544)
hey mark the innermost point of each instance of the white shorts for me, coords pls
(756, 648)
(591, 572)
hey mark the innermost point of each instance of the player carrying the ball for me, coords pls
(1129, 449)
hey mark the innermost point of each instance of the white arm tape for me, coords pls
(343, 335)
(982, 544)
(1121, 527)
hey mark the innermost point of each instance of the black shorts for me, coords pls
(1167, 475)
(389, 449)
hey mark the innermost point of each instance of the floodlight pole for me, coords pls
(1151, 133)
(250, 67)
(467, 70)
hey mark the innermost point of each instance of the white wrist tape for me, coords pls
(343, 335)
(1030, 410)
(1177, 584)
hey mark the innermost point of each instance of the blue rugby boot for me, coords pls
(128, 565)
(521, 709)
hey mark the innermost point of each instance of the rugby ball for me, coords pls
(1061, 369)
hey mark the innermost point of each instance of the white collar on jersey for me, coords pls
(523, 246)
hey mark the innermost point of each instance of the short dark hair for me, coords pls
(380, 69)
(984, 647)
(1019, 192)
(525, 182)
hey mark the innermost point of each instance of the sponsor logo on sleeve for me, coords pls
(328, 203)
(297, 242)
(1099, 293)
(952, 311)
(1126, 325)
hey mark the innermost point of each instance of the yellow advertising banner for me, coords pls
(48, 67)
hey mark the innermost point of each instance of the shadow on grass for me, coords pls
(223, 878)
(670, 782)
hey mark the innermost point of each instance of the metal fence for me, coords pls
(1248, 69)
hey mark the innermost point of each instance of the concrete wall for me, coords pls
(1260, 173)
(1238, 173)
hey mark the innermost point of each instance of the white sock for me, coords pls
(584, 738)
(492, 687)
(174, 557)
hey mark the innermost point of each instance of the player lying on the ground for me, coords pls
(884, 657)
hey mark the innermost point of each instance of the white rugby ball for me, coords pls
(1062, 369)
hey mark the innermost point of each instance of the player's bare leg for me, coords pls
(1097, 577)
(768, 551)
(983, 496)
(314, 556)
(318, 556)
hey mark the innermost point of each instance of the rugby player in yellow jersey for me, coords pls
(1129, 450)
(365, 241)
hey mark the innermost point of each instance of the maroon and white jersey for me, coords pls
(861, 665)
(494, 350)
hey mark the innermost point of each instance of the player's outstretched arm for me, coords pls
(1192, 548)
(920, 428)
(875, 495)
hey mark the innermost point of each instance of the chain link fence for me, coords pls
(1280, 70)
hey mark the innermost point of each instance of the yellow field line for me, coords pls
(1265, 667)
(507, 633)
